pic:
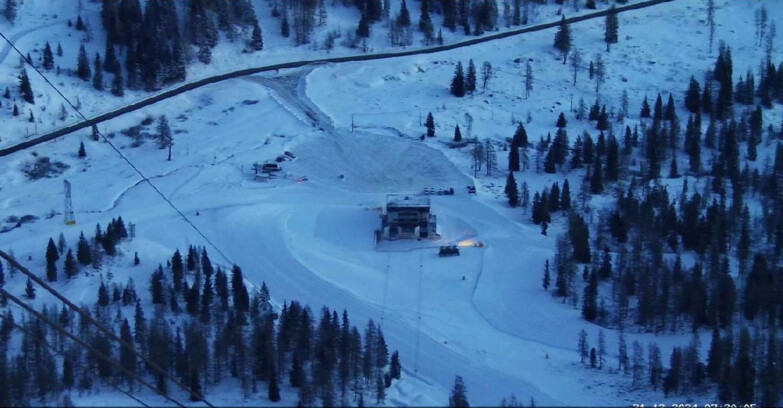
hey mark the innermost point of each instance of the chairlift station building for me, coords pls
(408, 217)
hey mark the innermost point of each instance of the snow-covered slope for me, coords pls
(481, 315)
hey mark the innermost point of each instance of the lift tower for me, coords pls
(70, 219)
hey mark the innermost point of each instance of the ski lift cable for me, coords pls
(13, 262)
(57, 327)
(125, 158)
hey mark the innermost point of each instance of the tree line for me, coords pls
(203, 326)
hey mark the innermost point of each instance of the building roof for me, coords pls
(393, 200)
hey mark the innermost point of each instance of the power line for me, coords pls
(105, 139)
(90, 319)
(81, 342)
(160, 193)
(46, 344)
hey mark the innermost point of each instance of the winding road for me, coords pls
(296, 64)
(18, 36)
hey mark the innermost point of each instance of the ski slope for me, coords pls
(312, 241)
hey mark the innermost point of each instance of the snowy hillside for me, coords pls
(357, 132)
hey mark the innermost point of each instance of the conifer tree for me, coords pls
(256, 39)
(459, 394)
(117, 84)
(565, 197)
(48, 57)
(404, 17)
(83, 251)
(395, 369)
(545, 282)
(596, 180)
(425, 21)
(692, 96)
(457, 134)
(430, 125)
(25, 88)
(470, 78)
(563, 39)
(83, 65)
(165, 138)
(110, 62)
(10, 11)
(611, 28)
(582, 347)
(511, 190)
(51, 261)
(513, 159)
(273, 391)
(29, 290)
(645, 112)
(363, 30)
(622, 353)
(97, 76)
(458, 82)
(69, 266)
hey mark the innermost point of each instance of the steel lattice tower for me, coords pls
(70, 219)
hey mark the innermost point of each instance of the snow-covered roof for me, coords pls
(407, 201)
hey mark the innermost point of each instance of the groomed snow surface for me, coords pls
(482, 315)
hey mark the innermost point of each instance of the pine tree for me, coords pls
(582, 346)
(103, 295)
(611, 28)
(10, 11)
(97, 76)
(511, 190)
(470, 77)
(672, 380)
(83, 65)
(563, 38)
(692, 96)
(457, 134)
(513, 159)
(363, 30)
(29, 290)
(590, 298)
(645, 112)
(395, 369)
(404, 17)
(256, 39)
(380, 390)
(83, 251)
(459, 397)
(596, 180)
(48, 57)
(69, 266)
(273, 391)
(25, 88)
(458, 82)
(285, 28)
(425, 21)
(51, 261)
(165, 138)
(430, 125)
(117, 84)
(547, 276)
